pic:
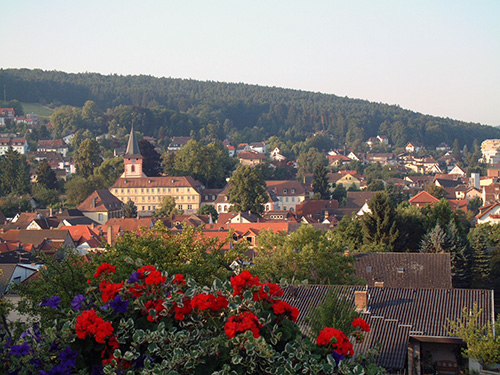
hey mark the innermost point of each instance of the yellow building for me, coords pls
(147, 192)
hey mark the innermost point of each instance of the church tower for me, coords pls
(133, 158)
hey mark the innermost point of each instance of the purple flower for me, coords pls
(68, 357)
(134, 277)
(119, 305)
(20, 350)
(337, 357)
(77, 302)
(51, 302)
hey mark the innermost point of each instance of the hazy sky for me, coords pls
(435, 57)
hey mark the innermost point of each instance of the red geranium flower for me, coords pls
(336, 339)
(109, 290)
(156, 305)
(89, 323)
(179, 279)
(246, 321)
(274, 291)
(181, 312)
(243, 281)
(284, 308)
(358, 322)
(155, 278)
(104, 268)
(204, 301)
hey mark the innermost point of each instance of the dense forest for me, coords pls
(166, 107)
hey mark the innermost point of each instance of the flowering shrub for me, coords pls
(153, 323)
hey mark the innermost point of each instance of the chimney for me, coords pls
(361, 300)
(379, 284)
(484, 196)
(110, 235)
(50, 212)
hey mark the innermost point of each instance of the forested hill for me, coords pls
(253, 112)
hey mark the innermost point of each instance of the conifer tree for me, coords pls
(461, 257)
(435, 241)
(481, 268)
(45, 175)
(129, 210)
(320, 186)
(380, 225)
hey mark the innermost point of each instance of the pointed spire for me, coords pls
(132, 146)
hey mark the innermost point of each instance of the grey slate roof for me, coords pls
(396, 314)
(404, 270)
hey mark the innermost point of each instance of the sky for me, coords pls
(435, 57)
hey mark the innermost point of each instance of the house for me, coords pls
(345, 178)
(404, 270)
(53, 145)
(101, 206)
(18, 144)
(413, 147)
(289, 194)
(443, 147)
(251, 158)
(222, 204)
(489, 213)
(407, 324)
(384, 158)
(279, 215)
(422, 199)
(317, 209)
(378, 140)
(6, 116)
(260, 147)
(116, 227)
(47, 240)
(147, 192)
(86, 239)
(177, 143)
(14, 273)
(458, 171)
(490, 150)
(338, 160)
(357, 201)
(276, 155)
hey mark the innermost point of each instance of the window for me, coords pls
(100, 217)
(179, 206)
(369, 269)
(285, 191)
(132, 168)
(190, 206)
(149, 208)
(401, 270)
(293, 191)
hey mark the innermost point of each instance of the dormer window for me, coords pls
(293, 191)
(285, 191)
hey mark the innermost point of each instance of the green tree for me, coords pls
(411, 228)
(109, 171)
(380, 224)
(210, 164)
(306, 253)
(435, 241)
(482, 343)
(247, 190)
(348, 234)
(339, 193)
(320, 185)
(461, 257)
(45, 197)
(151, 163)
(87, 157)
(436, 191)
(481, 266)
(129, 210)
(46, 176)
(307, 160)
(14, 172)
(166, 208)
(79, 188)
(208, 209)
(91, 114)
(335, 310)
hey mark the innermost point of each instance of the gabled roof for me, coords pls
(251, 155)
(423, 198)
(35, 237)
(357, 199)
(101, 201)
(128, 224)
(316, 207)
(404, 270)
(285, 187)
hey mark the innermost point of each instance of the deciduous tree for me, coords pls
(87, 157)
(247, 190)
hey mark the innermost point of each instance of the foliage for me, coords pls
(87, 157)
(304, 254)
(307, 160)
(129, 210)
(45, 197)
(436, 191)
(79, 188)
(247, 190)
(151, 163)
(155, 322)
(45, 176)
(348, 235)
(188, 252)
(380, 225)
(208, 209)
(14, 170)
(168, 107)
(167, 207)
(334, 311)
(411, 228)
(482, 344)
(435, 241)
(109, 171)
(210, 164)
(320, 184)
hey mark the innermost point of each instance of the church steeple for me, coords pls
(133, 146)
(133, 158)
